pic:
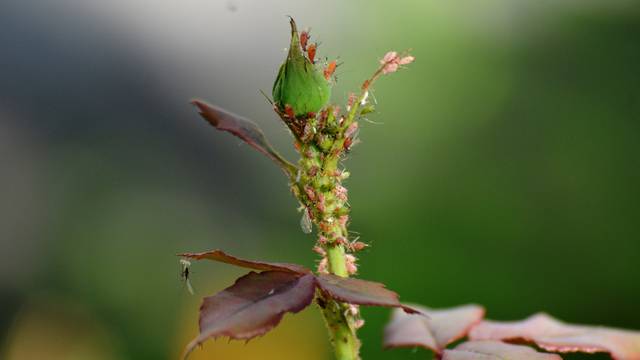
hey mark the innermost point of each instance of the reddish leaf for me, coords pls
(253, 305)
(434, 332)
(495, 350)
(553, 335)
(221, 256)
(359, 292)
(243, 128)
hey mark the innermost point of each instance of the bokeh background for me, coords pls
(502, 167)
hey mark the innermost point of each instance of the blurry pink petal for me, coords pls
(389, 57)
(406, 60)
(390, 68)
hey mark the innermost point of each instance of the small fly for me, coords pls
(306, 223)
(185, 272)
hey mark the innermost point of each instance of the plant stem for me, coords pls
(318, 187)
(336, 261)
(345, 342)
(319, 190)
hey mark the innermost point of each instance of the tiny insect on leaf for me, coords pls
(305, 222)
(221, 256)
(185, 273)
(253, 305)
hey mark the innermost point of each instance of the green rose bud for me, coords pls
(300, 84)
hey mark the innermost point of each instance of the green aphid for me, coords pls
(300, 83)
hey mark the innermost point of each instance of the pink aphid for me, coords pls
(323, 266)
(341, 192)
(311, 194)
(392, 61)
(351, 101)
(351, 130)
(304, 38)
(352, 268)
(320, 251)
(320, 203)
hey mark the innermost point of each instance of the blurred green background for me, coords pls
(502, 166)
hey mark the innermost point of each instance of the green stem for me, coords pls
(343, 336)
(345, 343)
(318, 188)
(337, 262)
(315, 189)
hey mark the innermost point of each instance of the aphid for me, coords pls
(340, 240)
(352, 268)
(305, 222)
(357, 246)
(320, 203)
(331, 68)
(288, 111)
(352, 100)
(323, 266)
(351, 130)
(304, 38)
(310, 192)
(185, 266)
(320, 251)
(311, 52)
(347, 144)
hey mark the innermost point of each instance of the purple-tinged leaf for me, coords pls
(435, 331)
(495, 350)
(243, 128)
(253, 305)
(553, 335)
(221, 256)
(359, 292)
